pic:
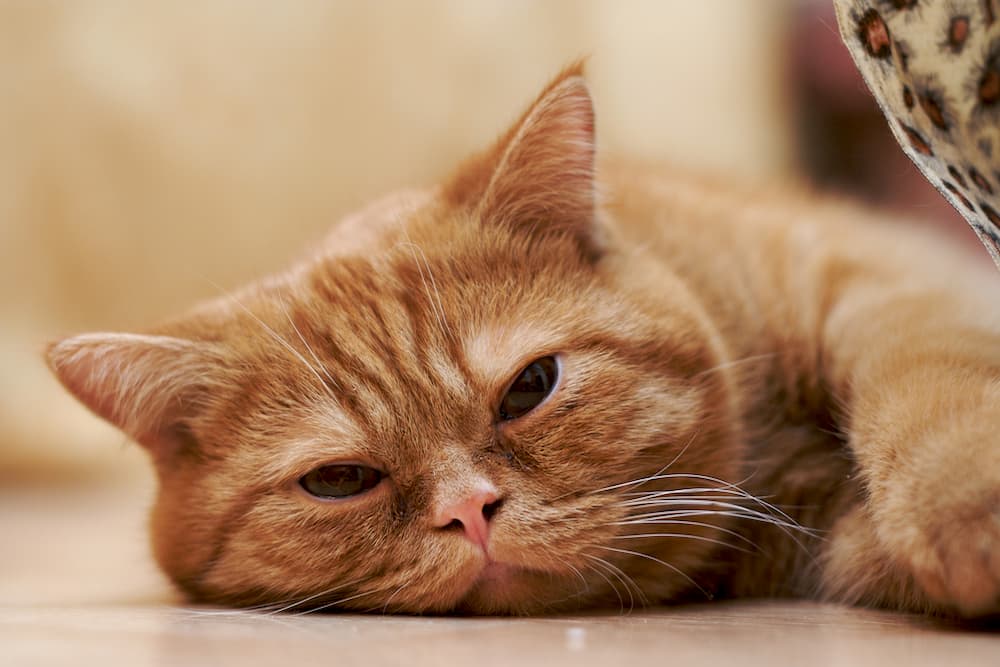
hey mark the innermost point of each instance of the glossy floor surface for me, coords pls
(77, 587)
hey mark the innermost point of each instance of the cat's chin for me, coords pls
(499, 589)
(503, 589)
(495, 574)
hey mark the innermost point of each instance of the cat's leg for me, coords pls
(917, 371)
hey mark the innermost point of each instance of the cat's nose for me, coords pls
(471, 512)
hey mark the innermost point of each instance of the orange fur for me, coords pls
(717, 347)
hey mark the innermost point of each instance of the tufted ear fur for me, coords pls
(145, 385)
(539, 176)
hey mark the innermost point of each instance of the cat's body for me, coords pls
(497, 396)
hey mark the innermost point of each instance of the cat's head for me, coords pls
(455, 404)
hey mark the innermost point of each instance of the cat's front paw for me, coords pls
(942, 521)
(956, 560)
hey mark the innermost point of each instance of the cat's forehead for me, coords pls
(414, 333)
(416, 317)
(415, 305)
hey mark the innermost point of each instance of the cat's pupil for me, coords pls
(340, 481)
(530, 388)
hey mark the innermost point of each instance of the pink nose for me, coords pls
(471, 513)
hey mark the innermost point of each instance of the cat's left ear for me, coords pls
(539, 176)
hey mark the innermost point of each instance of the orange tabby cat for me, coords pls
(535, 389)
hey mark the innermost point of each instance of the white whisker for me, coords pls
(583, 579)
(670, 499)
(647, 495)
(281, 341)
(661, 562)
(731, 486)
(604, 564)
(385, 607)
(667, 517)
(641, 480)
(700, 524)
(688, 536)
(302, 601)
(735, 362)
(746, 511)
(434, 298)
(341, 601)
(308, 348)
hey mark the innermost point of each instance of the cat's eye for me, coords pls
(340, 481)
(530, 388)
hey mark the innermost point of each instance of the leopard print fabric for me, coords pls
(934, 67)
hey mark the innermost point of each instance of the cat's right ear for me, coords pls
(148, 386)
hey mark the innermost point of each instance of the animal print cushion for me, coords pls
(934, 67)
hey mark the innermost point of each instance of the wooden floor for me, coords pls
(77, 587)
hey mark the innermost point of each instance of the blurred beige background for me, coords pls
(151, 150)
